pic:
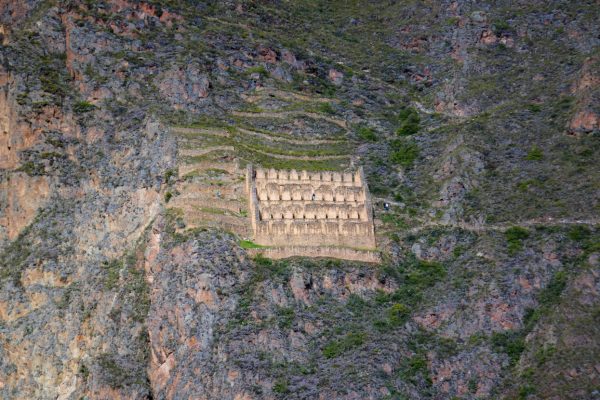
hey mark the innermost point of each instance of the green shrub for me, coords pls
(285, 317)
(535, 154)
(578, 233)
(472, 385)
(114, 373)
(82, 107)
(348, 342)
(262, 261)
(259, 69)
(452, 21)
(84, 371)
(31, 168)
(510, 342)
(248, 244)
(168, 196)
(534, 108)
(500, 26)
(551, 293)
(356, 304)
(515, 236)
(425, 274)
(409, 122)
(112, 269)
(326, 108)
(54, 83)
(544, 354)
(403, 153)
(169, 173)
(397, 314)
(414, 366)
(281, 386)
(525, 391)
(366, 133)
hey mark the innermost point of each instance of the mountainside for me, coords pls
(125, 128)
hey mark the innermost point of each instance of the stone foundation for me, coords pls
(314, 251)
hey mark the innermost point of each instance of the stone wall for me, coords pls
(303, 209)
(313, 251)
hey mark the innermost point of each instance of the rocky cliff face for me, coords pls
(478, 123)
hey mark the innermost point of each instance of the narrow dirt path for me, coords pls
(289, 140)
(260, 94)
(504, 226)
(304, 158)
(206, 150)
(199, 131)
(285, 114)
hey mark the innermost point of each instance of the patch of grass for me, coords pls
(551, 293)
(259, 69)
(248, 244)
(472, 385)
(544, 354)
(55, 142)
(452, 21)
(403, 153)
(213, 210)
(336, 348)
(425, 274)
(285, 317)
(356, 304)
(414, 367)
(515, 237)
(82, 107)
(579, 233)
(510, 342)
(325, 108)
(52, 83)
(395, 220)
(525, 185)
(366, 133)
(84, 371)
(500, 26)
(525, 391)
(281, 386)
(48, 155)
(458, 251)
(112, 268)
(169, 173)
(535, 154)
(398, 313)
(31, 168)
(65, 300)
(115, 374)
(409, 122)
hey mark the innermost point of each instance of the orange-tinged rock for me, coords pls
(525, 284)
(38, 276)
(586, 120)
(499, 315)
(488, 37)
(161, 375)
(232, 376)
(299, 288)
(309, 328)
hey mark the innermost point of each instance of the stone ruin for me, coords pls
(314, 214)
